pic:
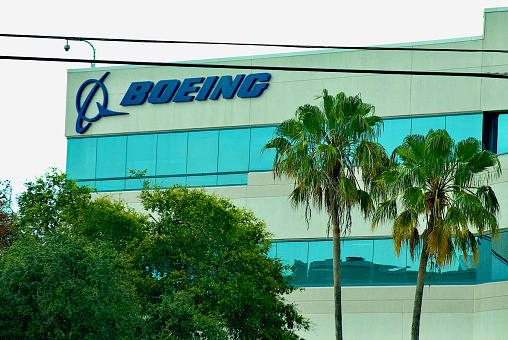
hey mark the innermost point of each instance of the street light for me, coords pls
(68, 47)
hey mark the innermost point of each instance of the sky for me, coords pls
(33, 94)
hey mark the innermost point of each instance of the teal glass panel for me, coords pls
(171, 154)
(141, 153)
(356, 262)
(461, 127)
(259, 136)
(136, 183)
(320, 264)
(90, 184)
(484, 268)
(232, 179)
(394, 132)
(294, 254)
(272, 251)
(202, 181)
(500, 257)
(422, 125)
(461, 271)
(166, 182)
(387, 267)
(234, 150)
(110, 185)
(81, 158)
(502, 134)
(111, 157)
(202, 152)
(412, 270)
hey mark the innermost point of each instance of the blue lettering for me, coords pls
(207, 88)
(163, 91)
(137, 93)
(250, 89)
(188, 86)
(227, 87)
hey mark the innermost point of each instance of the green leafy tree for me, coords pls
(176, 317)
(324, 149)
(204, 246)
(48, 204)
(6, 215)
(61, 287)
(446, 185)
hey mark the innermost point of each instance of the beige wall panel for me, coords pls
(445, 94)
(448, 61)
(491, 325)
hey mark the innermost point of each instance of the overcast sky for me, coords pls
(32, 94)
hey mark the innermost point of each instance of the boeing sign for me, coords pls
(198, 88)
(171, 90)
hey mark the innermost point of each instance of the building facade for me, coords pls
(205, 126)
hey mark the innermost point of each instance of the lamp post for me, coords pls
(68, 47)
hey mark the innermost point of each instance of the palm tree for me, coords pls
(446, 185)
(324, 149)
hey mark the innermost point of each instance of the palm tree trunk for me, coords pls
(336, 282)
(417, 310)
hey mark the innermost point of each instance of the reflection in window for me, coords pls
(387, 267)
(356, 262)
(294, 254)
(321, 263)
(373, 262)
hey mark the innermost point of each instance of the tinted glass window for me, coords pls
(422, 125)
(111, 156)
(388, 268)
(320, 263)
(294, 254)
(394, 132)
(81, 158)
(461, 127)
(502, 138)
(234, 150)
(141, 153)
(171, 154)
(258, 138)
(356, 262)
(202, 152)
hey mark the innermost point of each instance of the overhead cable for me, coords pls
(254, 67)
(152, 41)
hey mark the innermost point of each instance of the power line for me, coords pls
(151, 41)
(266, 68)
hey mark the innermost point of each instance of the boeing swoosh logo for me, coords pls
(102, 108)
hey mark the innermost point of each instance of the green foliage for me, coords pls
(48, 204)
(65, 288)
(177, 318)
(329, 151)
(203, 245)
(7, 216)
(323, 149)
(445, 184)
(84, 267)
